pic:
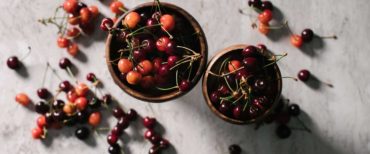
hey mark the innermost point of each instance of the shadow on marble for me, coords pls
(22, 71)
(275, 35)
(81, 56)
(315, 83)
(96, 36)
(310, 49)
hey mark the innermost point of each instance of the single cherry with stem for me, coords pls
(14, 63)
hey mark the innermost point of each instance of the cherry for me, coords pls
(307, 35)
(234, 65)
(112, 139)
(82, 116)
(64, 63)
(125, 65)
(156, 15)
(145, 67)
(171, 47)
(147, 82)
(265, 17)
(154, 150)
(41, 121)
(85, 15)
(94, 119)
(164, 70)
(139, 55)
(264, 28)
(237, 111)
(164, 143)
(304, 75)
(149, 122)
(81, 89)
(283, 131)
(260, 84)
(63, 42)
(43, 93)
(22, 99)
(73, 32)
(131, 20)
(144, 17)
(80, 6)
(167, 21)
(249, 51)
(37, 133)
(148, 45)
(224, 108)
(42, 107)
(116, 131)
(296, 40)
(65, 86)
(118, 112)
(74, 19)
(150, 23)
(294, 110)
(114, 149)
(157, 62)
(267, 5)
(73, 49)
(162, 43)
(262, 47)
(235, 149)
(133, 77)
(13, 62)
(123, 123)
(94, 11)
(250, 63)
(49, 118)
(223, 90)
(95, 103)
(171, 60)
(116, 7)
(59, 116)
(261, 102)
(91, 77)
(58, 104)
(81, 103)
(184, 85)
(106, 24)
(214, 97)
(70, 6)
(242, 73)
(255, 3)
(131, 115)
(82, 133)
(253, 111)
(107, 99)
(155, 139)
(148, 134)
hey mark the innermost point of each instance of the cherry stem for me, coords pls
(287, 77)
(124, 10)
(225, 73)
(237, 99)
(54, 71)
(27, 54)
(190, 70)
(137, 47)
(70, 73)
(166, 89)
(304, 126)
(228, 85)
(278, 27)
(188, 49)
(329, 37)
(287, 27)
(141, 28)
(177, 78)
(276, 60)
(44, 75)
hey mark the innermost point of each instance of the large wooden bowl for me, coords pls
(200, 46)
(210, 81)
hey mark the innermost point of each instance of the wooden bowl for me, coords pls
(210, 80)
(199, 45)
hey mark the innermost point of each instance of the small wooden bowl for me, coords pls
(209, 81)
(201, 47)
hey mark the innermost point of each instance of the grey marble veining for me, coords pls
(338, 116)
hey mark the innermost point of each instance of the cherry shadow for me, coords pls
(310, 49)
(96, 35)
(315, 83)
(278, 19)
(22, 71)
(81, 56)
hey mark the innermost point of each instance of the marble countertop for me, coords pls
(339, 116)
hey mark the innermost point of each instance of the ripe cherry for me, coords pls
(116, 131)
(112, 139)
(41, 121)
(148, 134)
(267, 5)
(64, 63)
(85, 15)
(72, 95)
(283, 131)
(82, 133)
(304, 75)
(70, 6)
(235, 149)
(139, 55)
(164, 143)
(131, 20)
(73, 32)
(184, 85)
(81, 103)
(237, 111)
(23, 99)
(116, 7)
(73, 49)
(171, 60)
(123, 123)
(58, 104)
(242, 73)
(43, 93)
(155, 139)
(262, 47)
(148, 45)
(296, 40)
(253, 111)
(42, 107)
(106, 24)
(63, 42)
(114, 149)
(260, 84)
(125, 65)
(145, 67)
(133, 77)
(155, 149)
(65, 86)
(13, 62)
(167, 21)
(264, 28)
(69, 109)
(234, 65)
(149, 122)
(147, 82)
(261, 102)
(171, 47)
(94, 11)
(249, 51)
(294, 110)
(150, 23)
(81, 89)
(157, 62)
(37, 133)
(214, 97)
(74, 19)
(107, 99)
(163, 70)
(307, 35)
(82, 116)
(131, 114)
(265, 17)
(162, 43)
(225, 108)
(118, 112)
(223, 90)
(59, 116)
(95, 119)
(91, 77)
(95, 103)
(250, 63)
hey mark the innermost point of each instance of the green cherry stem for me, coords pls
(276, 60)
(225, 73)
(44, 75)
(141, 28)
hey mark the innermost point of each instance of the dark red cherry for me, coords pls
(164, 143)
(230, 78)
(242, 73)
(91, 77)
(64, 63)
(151, 24)
(184, 85)
(250, 51)
(250, 63)
(106, 24)
(253, 111)
(237, 112)
(123, 123)
(114, 149)
(155, 139)
(267, 5)
(294, 110)
(58, 104)
(42, 107)
(224, 108)
(149, 122)
(118, 112)
(107, 99)
(148, 45)
(139, 55)
(65, 86)
(261, 102)
(43, 93)
(283, 131)
(260, 84)
(112, 139)
(148, 134)
(235, 149)
(171, 61)
(157, 63)
(59, 116)
(13, 62)
(116, 131)
(164, 70)
(155, 149)
(214, 97)
(156, 15)
(262, 47)
(223, 90)
(171, 48)
(307, 35)
(304, 75)
(131, 114)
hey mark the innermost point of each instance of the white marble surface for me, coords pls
(338, 116)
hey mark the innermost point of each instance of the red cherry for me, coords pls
(304, 75)
(149, 122)
(171, 61)
(22, 99)
(157, 62)
(81, 89)
(250, 63)
(125, 65)
(41, 121)
(37, 133)
(85, 15)
(296, 40)
(91, 77)
(131, 20)
(95, 119)
(184, 85)
(72, 95)
(81, 103)
(73, 49)
(94, 11)
(163, 70)
(264, 28)
(148, 134)
(145, 67)
(63, 42)
(249, 51)
(162, 43)
(106, 24)
(70, 6)
(133, 77)
(112, 139)
(147, 82)
(74, 19)
(234, 65)
(73, 32)
(265, 17)
(116, 7)
(118, 112)
(167, 21)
